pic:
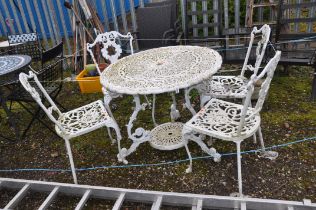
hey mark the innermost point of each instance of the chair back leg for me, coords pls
(71, 160)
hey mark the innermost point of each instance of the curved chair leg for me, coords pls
(111, 123)
(174, 113)
(72, 165)
(254, 136)
(153, 110)
(204, 99)
(149, 105)
(110, 135)
(189, 169)
(271, 155)
(239, 168)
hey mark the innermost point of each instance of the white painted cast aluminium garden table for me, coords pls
(156, 71)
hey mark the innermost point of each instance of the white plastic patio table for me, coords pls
(156, 71)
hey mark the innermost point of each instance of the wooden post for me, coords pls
(249, 13)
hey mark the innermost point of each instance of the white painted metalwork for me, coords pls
(155, 71)
(161, 70)
(167, 136)
(235, 86)
(229, 121)
(72, 123)
(107, 40)
(197, 201)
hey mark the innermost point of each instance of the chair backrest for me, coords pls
(108, 40)
(52, 108)
(22, 38)
(28, 44)
(268, 71)
(265, 31)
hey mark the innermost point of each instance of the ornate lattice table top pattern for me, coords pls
(12, 63)
(160, 70)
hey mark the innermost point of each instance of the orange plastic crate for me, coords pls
(88, 84)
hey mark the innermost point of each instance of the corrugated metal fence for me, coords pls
(52, 21)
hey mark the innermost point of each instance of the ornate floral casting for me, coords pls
(109, 40)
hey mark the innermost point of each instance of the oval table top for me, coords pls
(11, 63)
(159, 70)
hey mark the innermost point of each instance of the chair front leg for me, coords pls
(239, 168)
(72, 164)
(186, 132)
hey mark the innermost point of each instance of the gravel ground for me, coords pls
(288, 115)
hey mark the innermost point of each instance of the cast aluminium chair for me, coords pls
(51, 75)
(73, 123)
(107, 41)
(235, 86)
(229, 121)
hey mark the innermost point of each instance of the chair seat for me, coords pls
(220, 119)
(83, 119)
(226, 87)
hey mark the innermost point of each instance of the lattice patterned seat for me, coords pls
(229, 121)
(221, 120)
(83, 119)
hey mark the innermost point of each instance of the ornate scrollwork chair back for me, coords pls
(264, 33)
(268, 73)
(109, 40)
(24, 79)
(230, 86)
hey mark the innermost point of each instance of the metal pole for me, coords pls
(183, 18)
